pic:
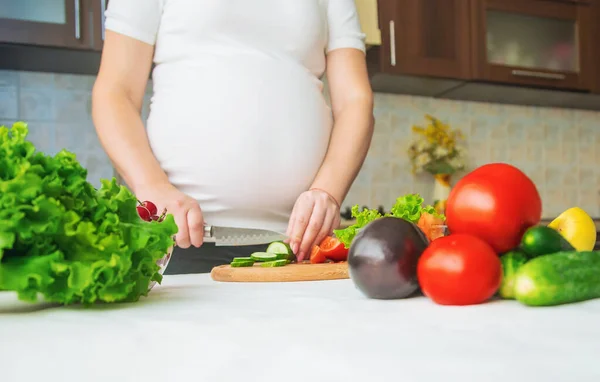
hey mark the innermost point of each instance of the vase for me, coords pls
(441, 191)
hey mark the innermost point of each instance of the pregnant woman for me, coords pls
(239, 133)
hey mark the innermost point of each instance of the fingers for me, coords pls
(336, 222)
(312, 230)
(313, 218)
(328, 225)
(302, 216)
(190, 223)
(290, 227)
(195, 225)
(182, 238)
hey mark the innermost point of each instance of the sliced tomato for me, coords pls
(316, 255)
(432, 227)
(333, 249)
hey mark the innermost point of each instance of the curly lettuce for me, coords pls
(408, 207)
(62, 239)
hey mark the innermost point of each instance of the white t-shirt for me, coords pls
(238, 119)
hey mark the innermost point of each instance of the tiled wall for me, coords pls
(558, 148)
(57, 108)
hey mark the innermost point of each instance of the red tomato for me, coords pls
(333, 249)
(459, 269)
(316, 255)
(495, 202)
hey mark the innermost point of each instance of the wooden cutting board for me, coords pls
(290, 272)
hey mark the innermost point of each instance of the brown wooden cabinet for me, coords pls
(533, 42)
(529, 52)
(98, 9)
(51, 23)
(595, 15)
(425, 37)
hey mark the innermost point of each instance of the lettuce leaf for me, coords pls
(408, 207)
(363, 218)
(62, 239)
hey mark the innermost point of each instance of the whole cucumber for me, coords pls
(543, 240)
(511, 262)
(559, 278)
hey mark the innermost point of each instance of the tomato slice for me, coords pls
(316, 255)
(333, 249)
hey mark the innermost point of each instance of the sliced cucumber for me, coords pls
(242, 263)
(278, 248)
(236, 259)
(274, 263)
(283, 256)
(263, 256)
(282, 250)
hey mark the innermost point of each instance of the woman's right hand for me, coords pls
(185, 210)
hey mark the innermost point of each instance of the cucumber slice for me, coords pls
(282, 250)
(284, 256)
(278, 248)
(275, 263)
(244, 263)
(236, 259)
(263, 256)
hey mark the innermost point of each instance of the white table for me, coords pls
(193, 329)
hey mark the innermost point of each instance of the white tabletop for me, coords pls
(193, 329)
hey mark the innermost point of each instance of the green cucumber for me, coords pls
(242, 263)
(274, 263)
(263, 256)
(285, 256)
(543, 240)
(279, 248)
(511, 262)
(236, 259)
(559, 278)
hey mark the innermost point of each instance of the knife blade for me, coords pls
(231, 236)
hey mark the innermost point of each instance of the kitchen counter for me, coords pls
(193, 329)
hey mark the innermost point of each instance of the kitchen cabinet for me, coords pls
(425, 37)
(48, 23)
(595, 14)
(368, 14)
(533, 42)
(97, 14)
(528, 52)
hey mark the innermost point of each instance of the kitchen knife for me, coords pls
(231, 236)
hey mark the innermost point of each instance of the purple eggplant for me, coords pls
(383, 258)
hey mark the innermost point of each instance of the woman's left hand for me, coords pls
(315, 215)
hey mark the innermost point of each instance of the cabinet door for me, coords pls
(533, 42)
(98, 9)
(367, 14)
(426, 37)
(57, 23)
(595, 42)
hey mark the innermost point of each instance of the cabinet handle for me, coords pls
(547, 76)
(102, 18)
(77, 19)
(392, 43)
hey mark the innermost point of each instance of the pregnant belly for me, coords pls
(241, 134)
